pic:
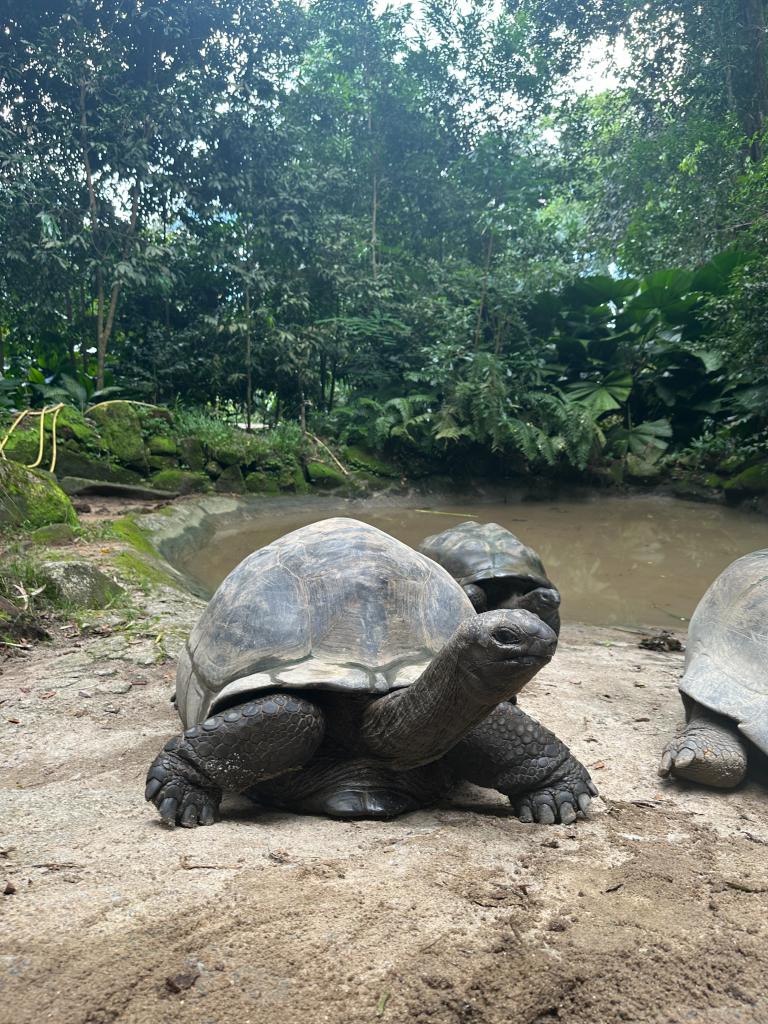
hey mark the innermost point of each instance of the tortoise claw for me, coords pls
(180, 792)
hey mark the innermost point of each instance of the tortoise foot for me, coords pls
(566, 794)
(707, 751)
(181, 793)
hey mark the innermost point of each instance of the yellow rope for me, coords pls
(56, 412)
(55, 409)
(41, 446)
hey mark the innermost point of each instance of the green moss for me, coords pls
(32, 498)
(640, 469)
(121, 431)
(161, 444)
(128, 530)
(750, 482)
(71, 463)
(358, 458)
(77, 584)
(231, 481)
(143, 573)
(191, 453)
(326, 477)
(71, 423)
(53, 533)
(180, 480)
(291, 478)
(158, 462)
(228, 456)
(261, 483)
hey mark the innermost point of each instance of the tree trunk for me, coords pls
(248, 362)
(751, 74)
(374, 218)
(484, 292)
(332, 388)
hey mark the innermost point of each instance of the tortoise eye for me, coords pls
(504, 635)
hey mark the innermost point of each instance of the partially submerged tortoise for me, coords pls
(725, 680)
(338, 671)
(495, 569)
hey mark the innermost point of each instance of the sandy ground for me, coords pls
(654, 909)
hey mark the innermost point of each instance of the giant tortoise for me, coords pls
(495, 569)
(725, 680)
(338, 671)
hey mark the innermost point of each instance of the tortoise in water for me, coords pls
(725, 682)
(495, 569)
(338, 671)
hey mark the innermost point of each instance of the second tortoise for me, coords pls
(496, 569)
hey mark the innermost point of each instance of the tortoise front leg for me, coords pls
(513, 754)
(234, 750)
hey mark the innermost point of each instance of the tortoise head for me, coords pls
(503, 649)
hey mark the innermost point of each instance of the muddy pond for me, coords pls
(627, 561)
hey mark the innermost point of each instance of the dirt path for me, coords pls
(655, 909)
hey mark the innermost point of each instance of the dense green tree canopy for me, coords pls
(404, 226)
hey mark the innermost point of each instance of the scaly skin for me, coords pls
(710, 750)
(488, 659)
(513, 754)
(233, 750)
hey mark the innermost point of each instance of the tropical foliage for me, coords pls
(440, 230)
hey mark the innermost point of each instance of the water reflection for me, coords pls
(638, 561)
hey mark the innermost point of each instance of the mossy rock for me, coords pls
(53, 534)
(213, 469)
(72, 463)
(23, 445)
(163, 462)
(358, 458)
(291, 479)
(71, 423)
(226, 455)
(161, 444)
(73, 433)
(641, 470)
(231, 481)
(180, 480)
(145, 573)
(121, 431)
(691, 488)
(79, 585)
(32, 498)
(191, 452)
(261, 483)
(731, 465)
(750, 483)
(326, 477)
(128, 529)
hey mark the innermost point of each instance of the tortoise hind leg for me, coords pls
(238, 748)
(710, 750)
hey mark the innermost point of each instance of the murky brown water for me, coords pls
(636, 561)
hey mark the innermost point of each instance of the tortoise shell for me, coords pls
(337, 605)
(726, 661)
(475, 552)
